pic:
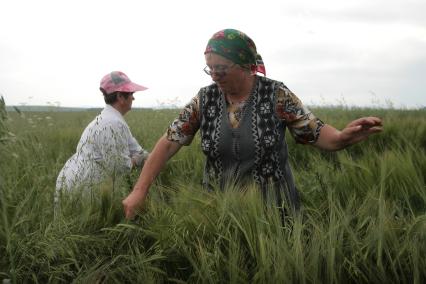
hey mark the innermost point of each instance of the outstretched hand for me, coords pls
(359, 129)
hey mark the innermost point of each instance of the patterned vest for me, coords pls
(255, 150)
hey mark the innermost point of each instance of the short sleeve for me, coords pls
(303, 125)
(184, 128)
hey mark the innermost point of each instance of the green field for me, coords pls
(363, 218)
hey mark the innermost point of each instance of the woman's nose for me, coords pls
(216, 76)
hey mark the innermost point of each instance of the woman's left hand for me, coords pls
(359, 129)
(331, 139)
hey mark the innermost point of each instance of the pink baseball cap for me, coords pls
(117, 81)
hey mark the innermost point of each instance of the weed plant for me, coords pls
(363, 218)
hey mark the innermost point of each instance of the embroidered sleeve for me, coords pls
(304, 126)
(184, 128)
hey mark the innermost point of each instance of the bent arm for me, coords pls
(162, 152)
(331, 139)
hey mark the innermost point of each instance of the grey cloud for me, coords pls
(411, 12)
(395, 72)
(312, 54)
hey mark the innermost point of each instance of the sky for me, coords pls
(367, 53)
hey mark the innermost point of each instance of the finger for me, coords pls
(352, 129)
(356, 133)
(374, 121)
(127, 211)
(129, 214)
(374, 129)
(367, 122)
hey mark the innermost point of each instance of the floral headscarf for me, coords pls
(237, 47)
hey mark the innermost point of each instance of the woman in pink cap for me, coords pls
(106, 148)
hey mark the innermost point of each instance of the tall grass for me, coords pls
(363, 218)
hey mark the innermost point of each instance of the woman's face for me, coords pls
(126, 102)
(227, 75)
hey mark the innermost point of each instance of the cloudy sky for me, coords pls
(363, 52)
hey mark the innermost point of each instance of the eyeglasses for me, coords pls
(217, 69)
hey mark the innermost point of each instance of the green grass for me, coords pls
(363, 218)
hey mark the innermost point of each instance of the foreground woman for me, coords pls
(242, 119)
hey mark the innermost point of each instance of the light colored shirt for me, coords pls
(105, 149)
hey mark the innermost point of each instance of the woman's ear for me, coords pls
(253, 69)
(120, 97)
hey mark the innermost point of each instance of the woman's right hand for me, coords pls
(162, 152)
(133, 203)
